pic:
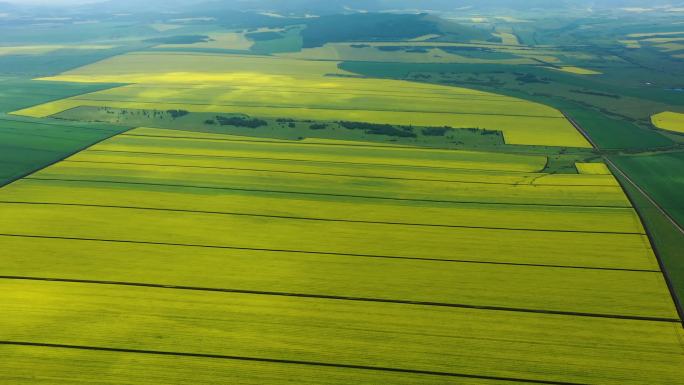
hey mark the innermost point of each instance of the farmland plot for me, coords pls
(260, 260)
(288, 88)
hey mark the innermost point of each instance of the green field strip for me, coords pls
(51, 124)
(183, 103)
(571, 249)
(30, 364)
(287, 362)
(315, 219)
(664, 237)
(673, 319)
(465, 341)
(26, 149)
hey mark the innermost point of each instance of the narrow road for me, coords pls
(627, 178)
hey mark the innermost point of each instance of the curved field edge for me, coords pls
(543, 125)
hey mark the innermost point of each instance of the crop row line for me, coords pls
(347, 298)
(313, 219)
(346, 163)
(283, 361)
(516, 184)
(307, 252)
(68, 180)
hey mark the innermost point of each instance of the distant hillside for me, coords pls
(382, 26)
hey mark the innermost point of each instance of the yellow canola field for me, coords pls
(287, 88)
(576, 70)
(630, 251)
(471, 341)
(671, 121)
(345, 187)
(593, 168)
(130, 209)
(560, 289)
(589, 219)
(142, 154)
(387, 155)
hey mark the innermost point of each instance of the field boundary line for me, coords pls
(342, 175)
(350, 298)
(61, 158)
(292, 217)
(426, 259)
(380, 145)
(614, 168)
(321, 193)
(284, 361)
(673, 293)
(5, 119)
(646, 195)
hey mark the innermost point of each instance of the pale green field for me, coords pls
(219, 40)
(288, 88)
(495, 268)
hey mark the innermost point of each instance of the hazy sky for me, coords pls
(48, 2)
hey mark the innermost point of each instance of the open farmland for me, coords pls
(324, 193)
(287, 88)
(290, 241)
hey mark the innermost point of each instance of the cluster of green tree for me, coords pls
(177, 113)
(436, 131)
(380, 129)
(529, 78)
(238, 121)
(318, 126)
(596, 93)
